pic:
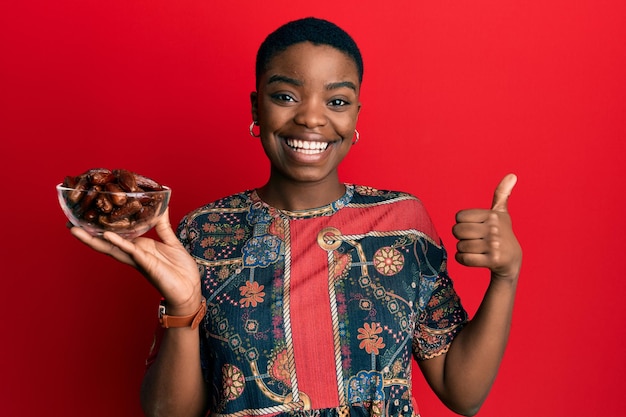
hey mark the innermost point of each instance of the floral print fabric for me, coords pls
(319, 312)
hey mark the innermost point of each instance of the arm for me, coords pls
(463, 376)
(173, 385)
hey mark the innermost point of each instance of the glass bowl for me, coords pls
(129, 214)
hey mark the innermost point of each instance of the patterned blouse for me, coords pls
(319, 312)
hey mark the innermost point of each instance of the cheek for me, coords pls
(264, 110)
(272, 150)
(346, 124)
(273, 117)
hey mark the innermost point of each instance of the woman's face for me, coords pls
(307, 106)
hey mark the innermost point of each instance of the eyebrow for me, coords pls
(298, 83)
(341, 84)
(284, 79)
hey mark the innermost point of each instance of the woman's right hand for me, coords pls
(165, 264)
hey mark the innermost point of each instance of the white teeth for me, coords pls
(306, 146)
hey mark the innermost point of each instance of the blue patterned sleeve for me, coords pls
(187, 235)
(182, 233)
(440, 313)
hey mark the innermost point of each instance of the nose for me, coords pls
(311, 113)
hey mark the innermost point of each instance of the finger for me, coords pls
(472, 216)
(164, 229)
(473, 246)
(101, 245)
(119, 242)
(93, 242)
(472, 259)
(502, 193)
(463, 231)
(130, 252)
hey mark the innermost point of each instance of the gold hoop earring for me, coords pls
(356, 137)
(254, 123)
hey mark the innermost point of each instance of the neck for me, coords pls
(294, 196)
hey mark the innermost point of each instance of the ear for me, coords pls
(254, 100)
(358, 111)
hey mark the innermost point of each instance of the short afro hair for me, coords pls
(309, 29)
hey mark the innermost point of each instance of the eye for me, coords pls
(338, 103)
(283, 97)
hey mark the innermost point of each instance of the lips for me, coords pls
(307, 146)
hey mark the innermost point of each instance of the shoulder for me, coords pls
(234, 203)
(370, 195)
(398, 208)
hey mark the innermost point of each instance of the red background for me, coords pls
(456, 94)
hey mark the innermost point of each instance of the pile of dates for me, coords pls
(99, 197)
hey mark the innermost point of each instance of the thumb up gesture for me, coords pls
(486, 237)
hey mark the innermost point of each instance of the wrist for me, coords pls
(510, 276)
(173, 318)
(190, 305)
(503, 285)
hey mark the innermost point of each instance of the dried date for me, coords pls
(118, 197)
(114, 225)
(126, 180)
(103, 203)
(126, 211)
(100, 176)
(79, 189)
(147, 184)
(88, 199)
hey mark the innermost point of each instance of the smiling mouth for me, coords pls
(306, 146)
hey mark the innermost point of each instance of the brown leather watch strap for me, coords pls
(192, 320)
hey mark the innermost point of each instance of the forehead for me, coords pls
(306, 60)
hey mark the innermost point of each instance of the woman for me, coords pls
(308, 295)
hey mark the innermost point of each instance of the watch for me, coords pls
(192, 320)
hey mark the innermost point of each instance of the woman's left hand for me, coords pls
(486, 237)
